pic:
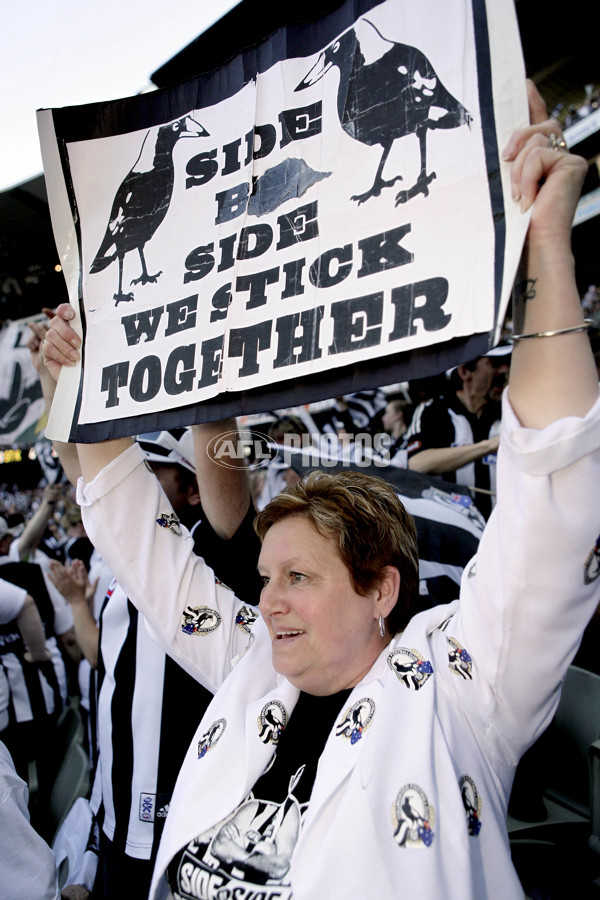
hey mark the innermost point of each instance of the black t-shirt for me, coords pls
(254, 846)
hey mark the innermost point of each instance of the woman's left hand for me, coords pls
(549, 175)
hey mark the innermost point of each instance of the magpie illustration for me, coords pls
(396, 95)
(141, 203)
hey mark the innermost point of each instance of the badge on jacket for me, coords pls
(170, 521)
(591, 569)
(211, 737)
(199, 620)
(355, 720)
(413, 817)
(472, 804)
(410, 667)
(459, 660)
(245, 618)
(272, 721)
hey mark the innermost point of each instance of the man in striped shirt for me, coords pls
(456, 435)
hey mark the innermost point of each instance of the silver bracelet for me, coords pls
(585, 326)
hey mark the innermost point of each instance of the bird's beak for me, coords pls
(193, 129)
(316, 73)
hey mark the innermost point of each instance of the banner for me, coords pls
(326, 213)
(22, 410)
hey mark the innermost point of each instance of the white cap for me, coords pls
(173, 448)
(500, 350)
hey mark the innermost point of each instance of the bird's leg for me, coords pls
(144, 277)
(120, 297)
(379, 183)
(421, 185)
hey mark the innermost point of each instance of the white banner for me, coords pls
(300, 222)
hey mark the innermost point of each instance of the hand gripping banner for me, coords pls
(326, 213)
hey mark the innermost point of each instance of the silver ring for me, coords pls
(556, 143)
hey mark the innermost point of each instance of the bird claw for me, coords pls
(360, 198)
(123, 298)
(375, 191)
(146, 279)
(419, 187)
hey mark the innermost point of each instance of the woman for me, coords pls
(351, 750)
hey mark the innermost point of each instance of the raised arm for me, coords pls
(533, 587)
(61, 348)
(551, 377)
(35, 527)
(224, 490)
(67, 453)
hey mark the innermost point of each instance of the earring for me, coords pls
(381, 626)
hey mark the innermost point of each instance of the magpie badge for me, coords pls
(211, 737)
(355, 720)
(591, 569)
(472, 804)
(271, 722)
(246, 618)
(459, 660)
(170, 521)
(412, 818)
(200, 620)
(410, 667)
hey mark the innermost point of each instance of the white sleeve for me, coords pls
(12, 599)
(27, 864)
(189, 613)
(524, 606)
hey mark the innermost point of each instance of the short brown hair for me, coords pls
(367, 523)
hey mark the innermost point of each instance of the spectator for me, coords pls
(37, 682)
(457, 435)
(25, 548)
(396, 419)
(279, 472)
(18, 607)
(77, 545)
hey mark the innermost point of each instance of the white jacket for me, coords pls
(480, 681)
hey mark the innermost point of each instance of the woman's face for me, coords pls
(325, 636)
